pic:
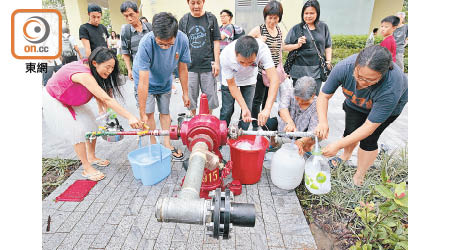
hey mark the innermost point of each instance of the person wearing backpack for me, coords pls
(226, 29)
(131, 33)
(69, 47)
(203, 31)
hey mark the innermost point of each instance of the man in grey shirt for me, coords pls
(401, 39)
(131, 33)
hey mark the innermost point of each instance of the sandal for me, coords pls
(101, 163)
(94, 176)
(335, 162)
(177, 158)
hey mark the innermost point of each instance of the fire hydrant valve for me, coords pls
(174, 133)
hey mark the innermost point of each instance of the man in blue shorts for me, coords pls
(160, 51)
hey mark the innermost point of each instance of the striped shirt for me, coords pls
(228, 31)
(135, 39)
(274, 43)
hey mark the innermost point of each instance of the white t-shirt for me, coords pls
(243, 76)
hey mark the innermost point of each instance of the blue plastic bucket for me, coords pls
(150, 164)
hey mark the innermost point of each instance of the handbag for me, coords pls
(279, 68)
(324, 71)
(280, 72)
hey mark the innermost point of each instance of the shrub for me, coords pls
(122, 66)
(352, 41)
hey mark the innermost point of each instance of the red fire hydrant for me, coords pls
(212, 131)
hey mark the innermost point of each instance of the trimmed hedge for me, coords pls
(352, 42)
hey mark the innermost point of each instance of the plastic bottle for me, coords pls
(287, 167)
(317, 172)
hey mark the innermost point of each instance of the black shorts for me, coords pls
(354, 119)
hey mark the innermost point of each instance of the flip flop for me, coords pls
(177, 158)
(101, 163)
(338, 162)
(94, 176)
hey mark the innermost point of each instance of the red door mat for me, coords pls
(77, 191)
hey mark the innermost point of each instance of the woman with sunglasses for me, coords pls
(375, 90)
(65, 107)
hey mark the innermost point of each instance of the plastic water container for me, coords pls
(150, 164)
(287, 167)
(317, 174)
(247, 163)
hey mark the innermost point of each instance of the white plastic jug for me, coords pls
(287, 167)
(317, 173)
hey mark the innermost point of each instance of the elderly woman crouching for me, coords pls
(297, 112)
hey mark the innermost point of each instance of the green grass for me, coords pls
(55, 171)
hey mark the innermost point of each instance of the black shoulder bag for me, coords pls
(324, 71)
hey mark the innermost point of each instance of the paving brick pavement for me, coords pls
(118, 213)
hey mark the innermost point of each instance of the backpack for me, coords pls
(127, 35)
(67, 49)
(238, 32)
(209, 17)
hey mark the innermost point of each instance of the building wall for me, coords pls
(291, 15)
(347, 17)
(180, 7)
(76, 11)
(117, 19)
(350, 17)
(382, 9)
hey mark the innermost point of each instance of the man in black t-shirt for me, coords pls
(93, 34)
(203, 32)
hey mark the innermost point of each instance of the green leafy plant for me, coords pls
(122, 66)
(385, 226)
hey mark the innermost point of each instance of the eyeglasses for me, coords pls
(359, 78)
(164, 45)
(222, 16)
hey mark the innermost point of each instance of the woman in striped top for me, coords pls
(270, 33)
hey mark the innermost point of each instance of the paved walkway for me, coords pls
(119, 211)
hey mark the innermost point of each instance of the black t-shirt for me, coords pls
(96, 35)
(307, 61)
(202, 52)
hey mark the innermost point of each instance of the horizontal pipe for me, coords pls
(179, 210)
(276, 133)
(243, 214)
(156, 132)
